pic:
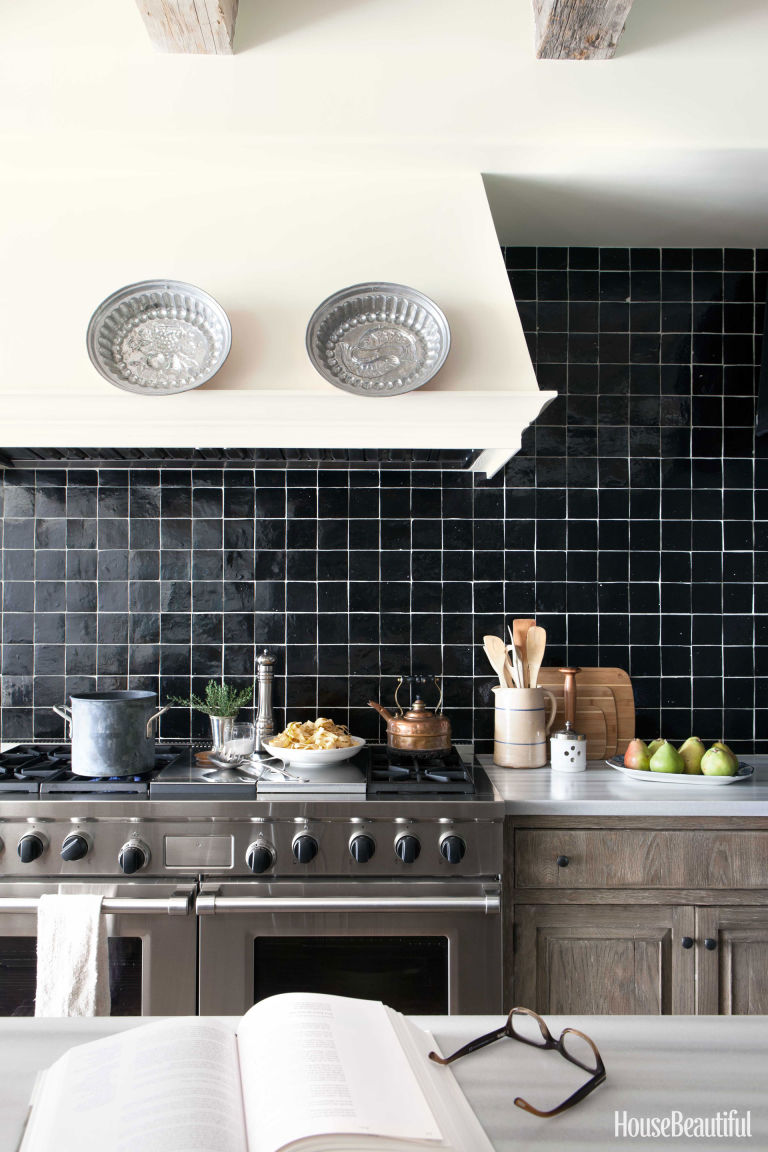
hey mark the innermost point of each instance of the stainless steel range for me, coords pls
(221, 890)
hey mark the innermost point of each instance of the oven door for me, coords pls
(422, 947)
(152, 946)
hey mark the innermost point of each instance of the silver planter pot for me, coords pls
(221, 731)
(112, 733)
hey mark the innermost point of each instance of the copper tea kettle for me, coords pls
(418, 730)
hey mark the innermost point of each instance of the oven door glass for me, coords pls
(410, 973)
(152, 948)
(18, 975)
(423, 946)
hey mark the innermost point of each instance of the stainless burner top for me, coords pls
(43, 771)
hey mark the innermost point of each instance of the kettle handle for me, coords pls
(418, 679)
(66, 714)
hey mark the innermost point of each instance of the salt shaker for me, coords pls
(265, 725)
(568, 750)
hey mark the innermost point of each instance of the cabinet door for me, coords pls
(583, 959)
(732, 976)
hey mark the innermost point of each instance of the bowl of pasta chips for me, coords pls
(314, 743)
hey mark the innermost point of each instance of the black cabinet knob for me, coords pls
(563, 861)
(362, 848)
(132, 858)
(74, 847)
(710, 944)
(30, 848)
(304, 848)
(453, 849)
(686, 942)
(407, 848)
(259, 858)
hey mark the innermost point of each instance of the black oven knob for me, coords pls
(75, 847)
(259, 857)
(30, 847)
(304, 848)
(133, 857)
(407, 847)
(362, 848)
(452, 848)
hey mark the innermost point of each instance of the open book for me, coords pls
(300, 1071)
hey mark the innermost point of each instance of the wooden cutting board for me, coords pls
(596, 696)
(590, 723)
(617, 680)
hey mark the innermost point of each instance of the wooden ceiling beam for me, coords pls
(579, 29)
(202, 27)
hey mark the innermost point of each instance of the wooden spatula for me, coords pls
(520, 629)
(518, 634)
(536, 643)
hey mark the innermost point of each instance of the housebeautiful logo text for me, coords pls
(730, 1125)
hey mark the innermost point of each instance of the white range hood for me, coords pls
(269, 249)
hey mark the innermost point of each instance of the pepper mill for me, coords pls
(265, 725)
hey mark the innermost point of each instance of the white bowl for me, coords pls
(315, 758)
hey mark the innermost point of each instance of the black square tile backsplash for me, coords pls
(633, 525)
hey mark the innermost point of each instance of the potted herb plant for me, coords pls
(222, 704)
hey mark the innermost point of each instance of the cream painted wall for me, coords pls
(671, 134)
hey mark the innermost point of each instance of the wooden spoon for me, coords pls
(496, 652)
(536, 643)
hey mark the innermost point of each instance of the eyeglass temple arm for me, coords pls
(473, 1046)
(578, 1095)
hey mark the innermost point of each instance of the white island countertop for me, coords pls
(657, 1067)
(602, 791)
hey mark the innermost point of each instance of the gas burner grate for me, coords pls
(400, 773)
(33, 768)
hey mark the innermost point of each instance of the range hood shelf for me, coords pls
(269, 250)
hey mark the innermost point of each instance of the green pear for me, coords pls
(667, 759)
(721, 747)
(654, 745)
(692, 751)
(719, 762)
(636, 756)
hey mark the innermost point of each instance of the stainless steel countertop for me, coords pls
(601, 791)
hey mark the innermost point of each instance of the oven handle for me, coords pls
(180, 904)
(210, 903)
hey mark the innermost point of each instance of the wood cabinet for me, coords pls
(732, 961)
(580, 961)
(637, 916)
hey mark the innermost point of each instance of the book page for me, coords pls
(173, 1086)
(314, 1065)
(461, 1128)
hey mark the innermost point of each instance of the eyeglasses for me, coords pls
(573, 1045)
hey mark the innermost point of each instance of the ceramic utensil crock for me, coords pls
(521, 725)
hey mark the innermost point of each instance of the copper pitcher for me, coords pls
(418, 730)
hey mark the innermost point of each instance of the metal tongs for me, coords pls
(246, 764)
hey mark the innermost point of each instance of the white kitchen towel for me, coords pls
(72, 956)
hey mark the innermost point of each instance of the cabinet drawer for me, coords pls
(622, 858)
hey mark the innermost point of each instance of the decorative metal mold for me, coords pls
(159, 337)
(378, 339)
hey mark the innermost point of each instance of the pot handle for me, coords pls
(66, 714)
(155, 716)
(552, 709)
